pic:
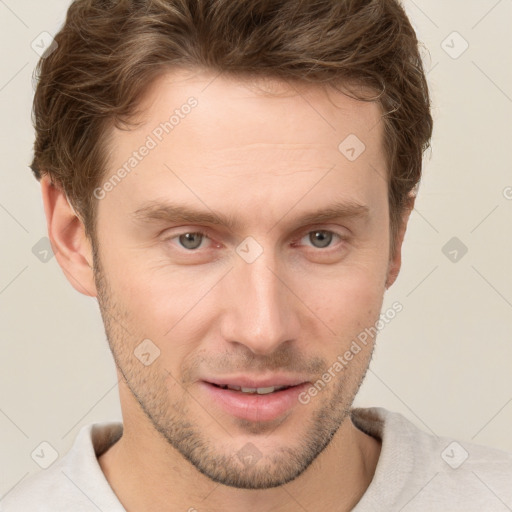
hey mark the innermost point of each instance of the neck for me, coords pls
(146, 473)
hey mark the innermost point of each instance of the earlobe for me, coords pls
(396, 261)
(394, 268)
(70, 245)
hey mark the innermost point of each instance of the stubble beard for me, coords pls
(171, 417)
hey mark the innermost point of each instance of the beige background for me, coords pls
(444, 361)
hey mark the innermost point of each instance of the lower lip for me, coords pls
(254, 407)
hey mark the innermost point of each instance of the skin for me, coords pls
(264, 159)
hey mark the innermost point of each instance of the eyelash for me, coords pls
(204, 234)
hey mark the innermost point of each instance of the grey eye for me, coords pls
(320, 239)
(191, 240)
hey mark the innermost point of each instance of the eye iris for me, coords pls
(323, 237)
(191, 240)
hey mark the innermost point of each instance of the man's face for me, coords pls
(273, 299)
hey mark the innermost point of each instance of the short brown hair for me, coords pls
(110, 51)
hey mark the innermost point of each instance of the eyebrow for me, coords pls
(155, 211)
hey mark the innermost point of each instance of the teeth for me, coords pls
(264, 391)
(259, 391)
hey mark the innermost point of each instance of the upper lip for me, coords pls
(245, 381)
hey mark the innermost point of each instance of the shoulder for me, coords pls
(431, 472)
(75, 482)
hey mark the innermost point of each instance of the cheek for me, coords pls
(349, 302)
(169, 307)
(137, 278)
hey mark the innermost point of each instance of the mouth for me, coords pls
(260, 391)
(254, 403)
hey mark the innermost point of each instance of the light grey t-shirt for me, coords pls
(416, 472)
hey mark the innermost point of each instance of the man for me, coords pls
(233, 181)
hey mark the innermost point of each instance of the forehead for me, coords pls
(230, 112)
(261, 138)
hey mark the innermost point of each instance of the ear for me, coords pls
(70, 245)
(395, 262)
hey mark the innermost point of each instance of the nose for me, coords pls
(260, 312)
